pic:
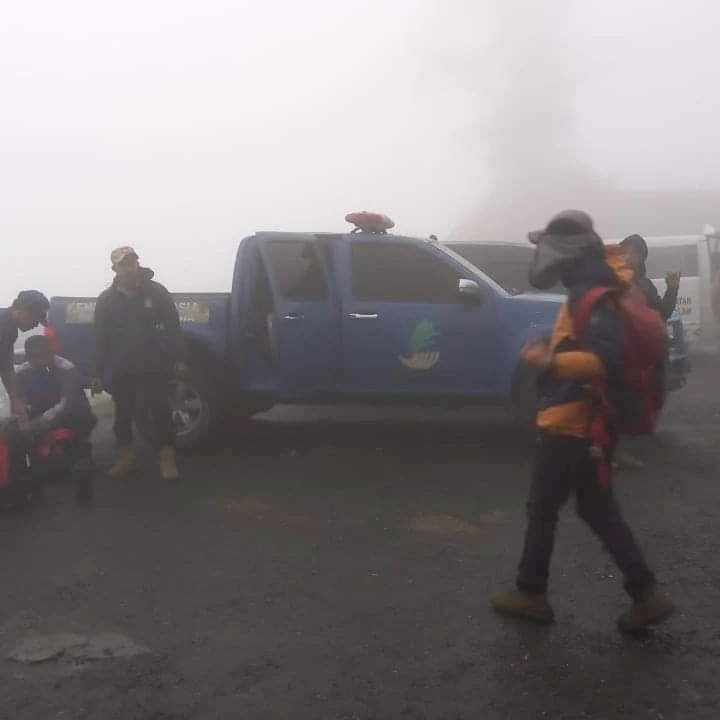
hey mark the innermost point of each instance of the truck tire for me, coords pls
(194, 405)
(524, 398)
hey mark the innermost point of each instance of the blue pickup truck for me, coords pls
(350, 317)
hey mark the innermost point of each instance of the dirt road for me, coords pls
(327, 564)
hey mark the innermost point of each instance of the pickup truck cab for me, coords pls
(347, 317)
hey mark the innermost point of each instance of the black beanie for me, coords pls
(638, 242)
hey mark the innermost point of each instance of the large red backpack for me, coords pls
(636, 404)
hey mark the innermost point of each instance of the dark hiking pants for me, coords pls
(563, 465)
(127, 391)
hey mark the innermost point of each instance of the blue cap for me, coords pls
(36, 301)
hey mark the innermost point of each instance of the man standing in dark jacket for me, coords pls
(636, 250)
(139, 346)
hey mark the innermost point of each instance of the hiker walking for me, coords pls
(577, 426)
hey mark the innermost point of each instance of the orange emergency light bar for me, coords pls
(370, 222)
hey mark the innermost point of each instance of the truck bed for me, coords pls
(203, 316)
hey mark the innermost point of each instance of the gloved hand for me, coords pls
(672, 280)
(538, 354)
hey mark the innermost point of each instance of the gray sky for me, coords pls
(178, 127)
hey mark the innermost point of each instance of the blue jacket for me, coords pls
(56, 397)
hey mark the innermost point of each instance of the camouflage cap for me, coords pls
(119, 254)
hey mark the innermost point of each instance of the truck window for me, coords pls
(261, 302)
(507, 265)
(390, 272)
(297, 270)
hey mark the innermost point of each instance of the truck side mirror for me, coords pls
(470, 291)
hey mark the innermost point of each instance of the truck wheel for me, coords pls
(524, 398)
(193, 404)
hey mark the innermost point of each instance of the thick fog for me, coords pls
(178, 127)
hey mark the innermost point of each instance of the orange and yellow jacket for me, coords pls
(565, 400)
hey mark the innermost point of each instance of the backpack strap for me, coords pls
(601, 428)
(585, 306)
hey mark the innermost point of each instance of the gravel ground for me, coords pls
(325, 563)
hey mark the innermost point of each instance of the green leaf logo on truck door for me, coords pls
(423, 348)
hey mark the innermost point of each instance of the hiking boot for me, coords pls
(168, 466)
(654, 608)
(124, 463)
(626, 460)
(527, 606)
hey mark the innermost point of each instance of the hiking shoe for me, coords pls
(168, 465)
(653, 609)
(626, 460)
(527, 606)
(124, 463)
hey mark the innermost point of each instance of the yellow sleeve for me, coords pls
(578, 365)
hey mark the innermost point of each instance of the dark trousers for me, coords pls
(564, 465)
(75, 463)
(153, 388)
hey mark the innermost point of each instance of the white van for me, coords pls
(697, 259)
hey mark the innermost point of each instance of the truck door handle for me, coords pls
(363, 316)
(293, 316)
